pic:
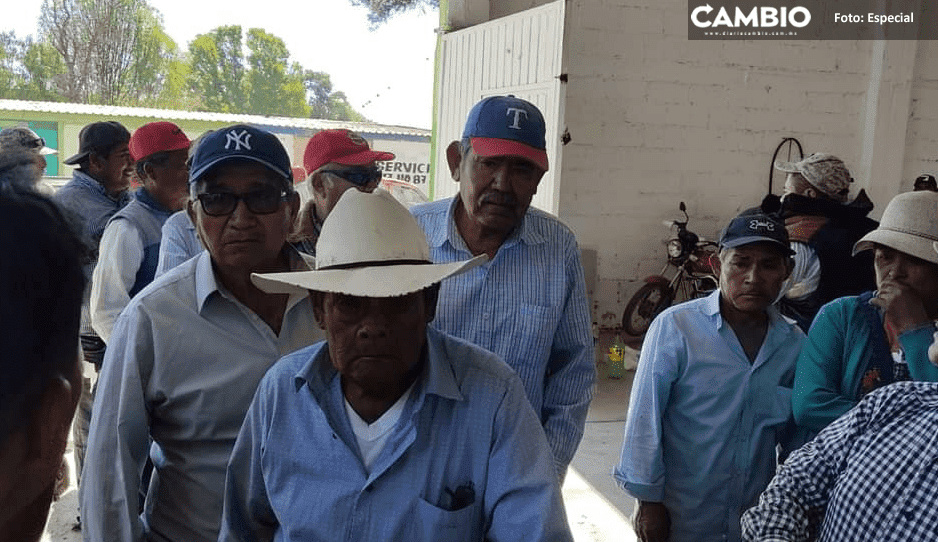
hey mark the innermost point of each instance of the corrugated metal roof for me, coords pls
(172, 114)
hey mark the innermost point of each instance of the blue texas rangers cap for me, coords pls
(507, 126)
(240, 142)
(751, 228)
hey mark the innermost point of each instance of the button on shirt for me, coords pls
(466, 461)
(870, 475)
(703, 422)
(182, 366)
(529, 306)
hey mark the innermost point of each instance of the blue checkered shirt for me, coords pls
(870, 475)
(529, 306)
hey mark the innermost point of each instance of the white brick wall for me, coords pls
(656, 119)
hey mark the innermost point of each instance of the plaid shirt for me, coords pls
(871, 475)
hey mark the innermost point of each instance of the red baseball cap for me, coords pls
(156, 137)
(299, 174)
(342, 147)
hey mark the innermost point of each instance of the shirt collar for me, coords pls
(525, 232)
(206, 283)
(712, 308)
(144, 197)
(87, 180)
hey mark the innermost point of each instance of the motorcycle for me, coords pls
(694, 277)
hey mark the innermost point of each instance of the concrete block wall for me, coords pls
(656, 119)
(921, 154)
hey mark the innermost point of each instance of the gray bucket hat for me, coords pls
(909, 225)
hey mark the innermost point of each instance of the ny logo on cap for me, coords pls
(238, 139)
(757, 225)
(516, 123)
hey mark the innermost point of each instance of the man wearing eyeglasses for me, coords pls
(187, 353)
(337, 160)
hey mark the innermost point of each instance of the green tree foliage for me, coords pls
(265, 83)
(379, 11)
(217, 70)
(116, 52)
(113, 51)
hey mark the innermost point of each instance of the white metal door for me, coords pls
(519, 54)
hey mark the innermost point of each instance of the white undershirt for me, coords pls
(372, 437)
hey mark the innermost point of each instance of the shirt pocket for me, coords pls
(434, 523)
(529, 332)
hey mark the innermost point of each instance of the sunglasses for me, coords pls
(358, 176)
(259, 202)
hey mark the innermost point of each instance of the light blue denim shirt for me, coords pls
(528, 305)
(296, 472)
(182, 366)
(178, 243)
(704, 423)
(86, 200)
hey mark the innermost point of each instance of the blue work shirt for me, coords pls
(85, 198)
(704, 423)
(528, 304)
(182, 366)
(296, 472)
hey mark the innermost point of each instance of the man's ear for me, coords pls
(315, 182)
(454, 159)
(294, 203)
(430, 296)
(319, 313)
(48, 430)
(716, 264)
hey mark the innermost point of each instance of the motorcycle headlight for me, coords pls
(674, 248)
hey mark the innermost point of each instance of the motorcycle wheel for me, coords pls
(647, 302)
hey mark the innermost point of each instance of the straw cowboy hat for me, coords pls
(370, 246)
(909, 225)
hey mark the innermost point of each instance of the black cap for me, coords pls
(98, 136)
(755, 228)
(925, 181)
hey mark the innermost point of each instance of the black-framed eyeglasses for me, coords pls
(259, 202)
(357, 176)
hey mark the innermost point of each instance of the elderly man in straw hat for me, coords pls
(390, 429)
(860, 343)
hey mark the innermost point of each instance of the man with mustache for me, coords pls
(528, 303)
(188, 351)
(711, 400)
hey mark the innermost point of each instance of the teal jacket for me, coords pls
(839, 350)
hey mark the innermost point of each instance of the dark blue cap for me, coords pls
(240, 142)
(507, 126)
(755, 228)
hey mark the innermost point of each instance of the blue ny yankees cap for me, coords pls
(240, 142)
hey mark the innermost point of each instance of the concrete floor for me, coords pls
(597, 509)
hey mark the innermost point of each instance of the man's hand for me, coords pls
(902, 307)
(652, 522)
